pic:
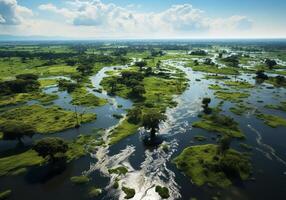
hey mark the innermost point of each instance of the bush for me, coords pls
(162, 191)
(129, 192)
(16, 130)
(51, 147)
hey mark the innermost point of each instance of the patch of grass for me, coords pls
(45, 120)
(5, 194)
(80, 146)
(123, 130)
(162, 191)
(240, 109)
(239, 84)
(82, 97)
(220, 124)
(130, 192)
(272, 120)
(24, 97)
(217, 77)
(94, 192)
(215, 70)
(204, 165)
(119, 170)
(216, 87)
(79, 180)
(11, 164)
(231, 96)
(282, 106)
(47, 82)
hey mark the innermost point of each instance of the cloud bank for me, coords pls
(96, 19)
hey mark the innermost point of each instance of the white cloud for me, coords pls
(178, 19)
(13, 14)
(93, 18)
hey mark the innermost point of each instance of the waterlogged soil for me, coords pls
(151, 166)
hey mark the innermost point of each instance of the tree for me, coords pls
(141, 64)
(148, 71)
(138, 91)
(196, 62)
(158, 64)
(134, 115)
(17, 130)
(260, 75)
(270, 63)
(84, 68)
(224, 144)
(151, 121)
(205, 105)
(51, 148)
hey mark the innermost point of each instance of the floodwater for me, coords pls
(152, 166)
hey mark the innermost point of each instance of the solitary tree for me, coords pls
(141, 64)
(151, 121)
(205, 105)
(13, 130)
(224, 144)
(51, 148)
(270, 63)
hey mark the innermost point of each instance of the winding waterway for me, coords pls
(147, 166)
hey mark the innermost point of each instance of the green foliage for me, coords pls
(239, 84)
(204, 165)
(282, 106)
(11, 164)
(5, 194)
(79, 180)
(44, 119)
(49, 147)
(119, 170)
(219, 123)
(82, 97)
(240, 109)
(16, 130)
(123, 130)
(129, 192)
(272, 120)
(231, 96)
(94, 192)
(152, 119)
(134, 115)
(215, 70)
(24, 97)
(162, 191)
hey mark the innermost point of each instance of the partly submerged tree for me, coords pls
(13, 130)
(224, 144)
(51, 148)
(151, 121)
(205, 105)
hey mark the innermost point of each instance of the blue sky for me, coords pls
(144, 19)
